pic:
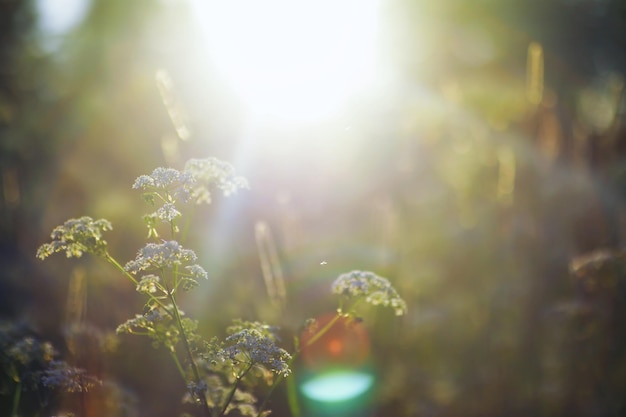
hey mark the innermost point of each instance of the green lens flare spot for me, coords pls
(337, 386)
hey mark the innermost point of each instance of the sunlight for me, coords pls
(57, 18)
(292, 60)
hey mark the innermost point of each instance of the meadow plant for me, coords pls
(28, 364)
(220, 375)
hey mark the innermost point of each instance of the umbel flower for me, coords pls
(77, 236)
(156, 256)
(212, 171)
(255, 347)
(375, 290)
(68, 378)
(193, 182)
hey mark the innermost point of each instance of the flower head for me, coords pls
(77, 236)
(68, 378)
(156, 256)
(253, 347)
(370, 287)
(212, 171)
(168, 212)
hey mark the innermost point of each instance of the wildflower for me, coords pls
(161, 178)
(70, 379)
(190, 281)
(160, 256)
(168, 183)
(212, 171)
(168, 212)
(252, 347)
(148, 284)
(263, 329)
(77, 236)
(197, 271)
(370, 287)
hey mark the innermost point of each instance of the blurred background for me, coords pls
(472, 152)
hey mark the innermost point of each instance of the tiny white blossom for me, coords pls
(213, 172)
(159, 256)
(168, 212)
(251, 346)
(77, 236)
(148, 284)
(177, 184)
(196, 271)
(370, 287)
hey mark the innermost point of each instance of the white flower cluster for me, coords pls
(370, 287)
(157, 256)
(164, 179)
(169, 186)
(252, 347)
(148, 284)
(194, 181)
(77, 236)
(212, 171)
(148, 321)
(168, 212)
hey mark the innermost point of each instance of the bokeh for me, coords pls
(481, 168)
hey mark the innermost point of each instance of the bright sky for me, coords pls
(295, 60)
(56, 17)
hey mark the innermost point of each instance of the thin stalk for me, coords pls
(192, 363)
(231, 394)
(128, 275)
(292, 400)
(178, 365)
(323, 330)
(16, 399)
(185, 229)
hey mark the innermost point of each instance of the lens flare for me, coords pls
(337, 386)
(336, 376)
(343, 342)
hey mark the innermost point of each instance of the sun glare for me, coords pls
(293, 60)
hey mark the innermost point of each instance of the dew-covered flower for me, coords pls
(77, 236)
(252, 347)
(212, 172)
(156, 256)
(370, 287)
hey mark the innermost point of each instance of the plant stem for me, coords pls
(176, 316)
(292, 398)
(324, 329)
(128, 275)
(178, 365)
(192, 363)
(16, 399)
(293, 402)
(231, 394)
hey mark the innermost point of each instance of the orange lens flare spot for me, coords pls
(335, 347)
(344, 343)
